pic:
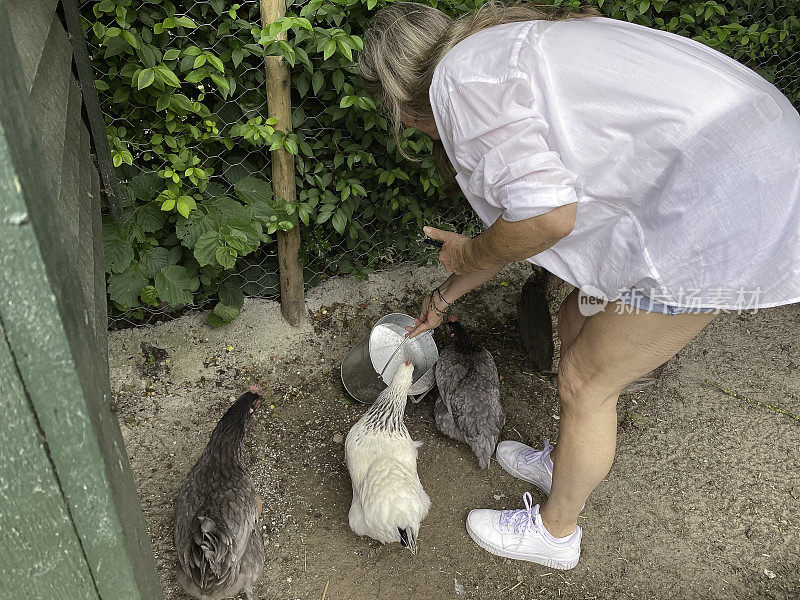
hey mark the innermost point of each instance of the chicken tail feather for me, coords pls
(209, 562)
(408, 539)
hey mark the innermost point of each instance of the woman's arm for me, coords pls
(474, 261)
(451, 290)
(503, 242)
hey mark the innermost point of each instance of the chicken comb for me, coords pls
(255, 390)
(452, 319)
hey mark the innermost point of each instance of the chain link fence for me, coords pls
(324, 251)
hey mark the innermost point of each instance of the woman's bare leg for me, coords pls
(570, 320)
(608, 352)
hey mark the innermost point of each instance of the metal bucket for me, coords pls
(368, 368)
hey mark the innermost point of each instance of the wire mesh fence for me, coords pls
(760, 33)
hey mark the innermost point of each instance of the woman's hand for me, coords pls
(428, 317)
(453, 254)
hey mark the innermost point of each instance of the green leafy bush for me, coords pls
(182, 86)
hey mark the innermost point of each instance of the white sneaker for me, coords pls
(521, 535)
(526, 463)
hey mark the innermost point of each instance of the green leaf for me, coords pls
(215, 321)
(182, 102)
(242, 235)
(186, 22)
(290, 145)
(155, 260)
(150, 217)
(189, 230)
(252, 190)
(147, 55)
(124, 287)
(146, 78)
(185, 205)
(149, 295)
(171, 54)
(231, 294)
(163, 102)
(345, 48)
(206, 247)
(118, 252)
(216, 63)
(338, 79)
(174, 285)
(237, 56)
(226, 257)
(129, 37)
(329, 49)
(169, 77)
(339, 221)
(168, 204)
(145, 186)
(196, 76)
(317, 81)
(226, 312)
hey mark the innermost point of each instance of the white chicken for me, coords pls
(388, 500)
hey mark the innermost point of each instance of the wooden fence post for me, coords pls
(279, 102)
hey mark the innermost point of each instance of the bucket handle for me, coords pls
(403, 343)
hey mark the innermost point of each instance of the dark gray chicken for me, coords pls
(468, 408)
(535, 322)
(217, 533)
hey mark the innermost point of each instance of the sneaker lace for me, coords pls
(532, 455)
(520, 520)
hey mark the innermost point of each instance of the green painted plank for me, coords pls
(101, 314)
(45, 319)
(68, 193)
(30, 23)
(69, 205)
(50, 97)
(39, 547)
(86, 226)
(96, 121)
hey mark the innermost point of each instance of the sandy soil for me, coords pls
(703, 500)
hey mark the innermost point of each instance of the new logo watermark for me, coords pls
(591, 301)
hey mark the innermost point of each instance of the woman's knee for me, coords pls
(581, 385)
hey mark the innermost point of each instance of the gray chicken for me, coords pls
(468, 408)
(217, 533)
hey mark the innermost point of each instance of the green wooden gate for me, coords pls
(71, 526)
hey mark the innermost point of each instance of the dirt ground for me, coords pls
(703, 500)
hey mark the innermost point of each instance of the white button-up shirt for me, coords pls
(684, 164)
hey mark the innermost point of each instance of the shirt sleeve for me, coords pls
(499, 150)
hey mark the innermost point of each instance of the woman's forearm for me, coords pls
(458, 285)
(511, 241)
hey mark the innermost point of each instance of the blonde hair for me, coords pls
(405, 41)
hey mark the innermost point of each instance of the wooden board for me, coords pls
(86, 257)
(45, 320)
(50, 96)
(69, 204)
(30, 23)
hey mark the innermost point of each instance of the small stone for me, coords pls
(337, 438)
(459, 588)
(498, 496)
(769, 574)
